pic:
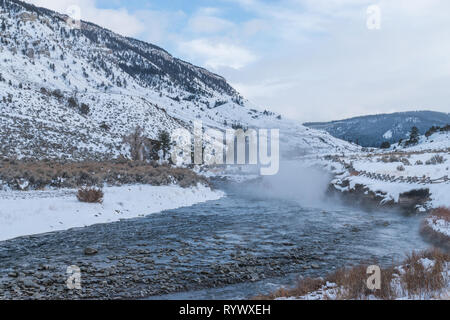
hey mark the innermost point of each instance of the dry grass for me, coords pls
(441, 213)
(90, 195)
(303, 287)
(354, 173)
(354, 282)
(414, 281)
(42, 174)
(417, 280)
(437, 238)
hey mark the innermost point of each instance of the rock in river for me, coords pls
(90, 251)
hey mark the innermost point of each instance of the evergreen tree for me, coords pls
(385, 145)
(166, 144)
(413, 136)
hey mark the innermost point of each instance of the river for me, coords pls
(248, 243)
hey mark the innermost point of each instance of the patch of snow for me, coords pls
(388, 135)
(439, 225)
(332, 291)
(35, 212)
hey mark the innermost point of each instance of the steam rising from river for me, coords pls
(296, 181)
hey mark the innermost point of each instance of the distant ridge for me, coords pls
(373, 130)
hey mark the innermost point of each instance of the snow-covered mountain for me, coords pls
(373, 130)
(74, 93)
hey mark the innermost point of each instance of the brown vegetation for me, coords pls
(354, 280)
(35, 175)
(439, 239)
(415, 280)
(90, 195)
(441, 213)
(304, 286)
(418, 280)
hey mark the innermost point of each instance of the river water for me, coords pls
(248, 243)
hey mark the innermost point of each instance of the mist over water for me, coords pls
(296, 181)
(279, 217)
(267, 232)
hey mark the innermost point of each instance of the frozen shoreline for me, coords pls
(332, 291)
(419, 186)
(37, 212)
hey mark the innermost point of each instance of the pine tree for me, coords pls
(166, 144)
(413, 136)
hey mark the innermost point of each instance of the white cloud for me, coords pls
(159, 26)
(330, 66)
(216, 54)
(117, 20)
(209, 24)
(307, 59)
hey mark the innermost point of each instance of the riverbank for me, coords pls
(436, 228)
(34, 212)
(415, 182)
(422, 276)
(247, 237)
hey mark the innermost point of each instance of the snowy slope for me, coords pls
(74, 93)
(437, 141)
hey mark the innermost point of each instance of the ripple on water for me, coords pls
(257, 241)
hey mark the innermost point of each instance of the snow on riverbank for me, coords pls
(35, 212)
(422, 276)
(417, 176)
(439, 225)
(391, 191)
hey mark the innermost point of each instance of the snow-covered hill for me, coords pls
(74, 93)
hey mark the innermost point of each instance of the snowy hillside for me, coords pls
(74, 93)
(437, 141)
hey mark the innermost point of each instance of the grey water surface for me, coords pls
(245, 244)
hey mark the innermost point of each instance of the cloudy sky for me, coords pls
(311, 60)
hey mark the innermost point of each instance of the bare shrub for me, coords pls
(390, 159)
(405, 161)
(136, 142)
(90, 195)
(437, 159)
(401, 168)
